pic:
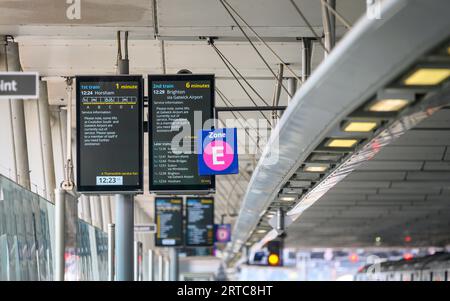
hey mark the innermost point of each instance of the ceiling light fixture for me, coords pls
(427, 76)
(342, 143)
(287, 198)
(316, 168)
(389, 105)
(360, 126)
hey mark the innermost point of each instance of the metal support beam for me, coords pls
(124, 203)
(123, 66)
(292, 87)
(111, 252)
(46, 142)
(166, 269)
(60, 203)
(277, 91)
(174, 264)
(18, 121)
(280, 220)
(160, 268)
(124, 236)
(137, 263)
(150, 265)
(69, 183)
(329, 25)
(306, 58)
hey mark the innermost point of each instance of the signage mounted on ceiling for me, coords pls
(19, 85)
(222, 233)
(169, 222)
(179, 106)
(109, 133)
(199, 221)
(217, 152)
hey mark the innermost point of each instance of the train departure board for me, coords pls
(169, 222)
(199, 221)
(109, 133)
(179, 105)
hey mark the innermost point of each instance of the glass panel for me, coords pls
(27, 239)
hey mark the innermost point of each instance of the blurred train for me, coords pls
(428, 268)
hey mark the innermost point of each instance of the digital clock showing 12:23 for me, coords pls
(101, 180)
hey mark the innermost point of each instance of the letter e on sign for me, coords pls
(217, 153)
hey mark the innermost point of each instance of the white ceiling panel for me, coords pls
(438, 166)
(391, 165)
(376, 176)
(269, 18)
(411, 153)
(396, 197)
(429, 176)
(72, 57)
(425, 137)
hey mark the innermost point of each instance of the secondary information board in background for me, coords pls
(109, 133)
(178, 98)
(199, 221)
(169, 222)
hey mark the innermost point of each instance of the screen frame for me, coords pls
(187, 222)
(111, 188)
(179, 189)
(155, 214)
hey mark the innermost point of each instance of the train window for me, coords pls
(446, 276)
(431, 276)
(412, 277)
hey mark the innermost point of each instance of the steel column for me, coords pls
(292, 87)
(111, 252)
(137, 264)
(124, 236)
(160, 268)
(150, 266)
(18, 121)
(329, 26)
(166, 269)
(124, 204)
(174, 264)
(306, 58)
(60, 203)
(46, 141)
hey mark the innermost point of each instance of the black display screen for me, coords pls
(179, 105)
(169, 222)
(199, 221)
(109, 133)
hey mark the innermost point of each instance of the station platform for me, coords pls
(225, 141)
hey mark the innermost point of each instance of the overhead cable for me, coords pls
(252, 44)
(263, 42)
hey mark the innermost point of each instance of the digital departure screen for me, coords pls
(179, 107)
(169, 222)
(199, 221)
(109, 133)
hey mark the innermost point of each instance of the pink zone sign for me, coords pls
(219, 152)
